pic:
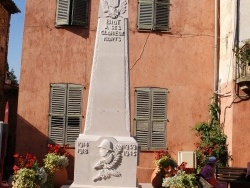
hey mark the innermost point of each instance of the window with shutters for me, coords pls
(153, 15)
(150, 117)
(65, 113)
(72, 13)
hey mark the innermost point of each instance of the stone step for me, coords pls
(141, 185)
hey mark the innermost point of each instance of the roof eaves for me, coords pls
(10, 6)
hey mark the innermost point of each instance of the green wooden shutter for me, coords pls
(161, 15)
(57, 113)
(142, 117)
(145, 14)
(158, 132)
(80, 13)
(150, 117)
(63, 12)
(74, 113)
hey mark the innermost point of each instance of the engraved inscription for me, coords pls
(130, 150)
(83, 151)
(83, 148)
(113, 31)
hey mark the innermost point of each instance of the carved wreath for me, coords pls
(108, 170)
(114, 12)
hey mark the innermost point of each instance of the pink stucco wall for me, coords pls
(180, 60)
(241, 132)
(235, 121)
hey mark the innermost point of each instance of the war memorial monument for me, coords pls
(106, 155)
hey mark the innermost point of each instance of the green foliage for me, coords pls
(243, 53)
(29, 178)
(41, 175)
(181, 180)
(212, 139)
(56, 158)
(163, 159)
(166, 162)
(12, 76)
(54, 161)
(27, 173)
(25, 178)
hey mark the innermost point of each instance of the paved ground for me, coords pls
(145, 185)
(142, 185)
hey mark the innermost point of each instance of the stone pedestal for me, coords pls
(117, 169)
(105, 154)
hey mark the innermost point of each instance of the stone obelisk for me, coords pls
(105, 154)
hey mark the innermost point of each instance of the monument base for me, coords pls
(141, 185)
(85, 186)
(105, 162)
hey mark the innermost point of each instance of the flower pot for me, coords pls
(157, 177)
(60, 177)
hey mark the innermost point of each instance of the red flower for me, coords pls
(57, 149)
(16, 155)
(15, 168)
(161, 153)
(210, 151)
(29, 161)
(182, 166)
(197, 145)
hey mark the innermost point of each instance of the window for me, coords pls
(72, 12)
(153, 15)
(65, 113)
(150, 117)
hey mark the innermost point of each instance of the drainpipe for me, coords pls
(216, 48)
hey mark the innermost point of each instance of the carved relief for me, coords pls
(114, 8)
(110, 160)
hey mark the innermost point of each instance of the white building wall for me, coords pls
(228, 13)
(227, 35)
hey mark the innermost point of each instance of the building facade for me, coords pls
(234, 82)
(8, 91)
(7, 8)
(171, 54)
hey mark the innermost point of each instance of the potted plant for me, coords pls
(27, 174)
(165, 165)
(55, 163)
(180, 179)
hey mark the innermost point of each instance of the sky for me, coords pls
(15, 38)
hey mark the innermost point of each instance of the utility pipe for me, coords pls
(216, 49)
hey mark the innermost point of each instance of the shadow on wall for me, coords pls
(29, 139)
(11, 95)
